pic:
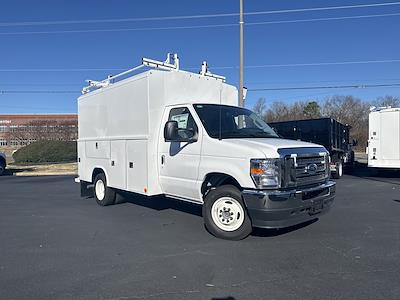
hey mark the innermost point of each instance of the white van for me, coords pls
(384, 138)
(181, 134)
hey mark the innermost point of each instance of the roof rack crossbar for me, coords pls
(170, 64)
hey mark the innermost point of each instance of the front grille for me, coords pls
(304, 167)
(303, 174)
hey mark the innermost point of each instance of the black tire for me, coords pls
(2, 167)
(218, 194)
(338, 170)
(108, 198)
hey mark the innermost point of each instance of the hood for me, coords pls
(270, 146)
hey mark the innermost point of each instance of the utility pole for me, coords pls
(241, 99)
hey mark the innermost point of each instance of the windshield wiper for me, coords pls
(262, 135)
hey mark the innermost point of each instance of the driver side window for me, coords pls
(185, 120)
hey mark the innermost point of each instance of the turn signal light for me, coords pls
(256, 171)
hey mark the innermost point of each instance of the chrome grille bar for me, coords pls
(304, 166)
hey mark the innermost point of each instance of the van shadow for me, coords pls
(160, 203)
(391, 176)
(262, 232)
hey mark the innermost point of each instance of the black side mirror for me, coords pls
(171, 131)
(355, 143)
(174, 134)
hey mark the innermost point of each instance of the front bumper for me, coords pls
(278, 209)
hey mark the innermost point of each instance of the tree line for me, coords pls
(345, 109)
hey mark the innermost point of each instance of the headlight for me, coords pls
(266, 172)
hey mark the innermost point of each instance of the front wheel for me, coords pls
(225, 215)
(103, 194)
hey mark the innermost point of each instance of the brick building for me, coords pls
(17, 130)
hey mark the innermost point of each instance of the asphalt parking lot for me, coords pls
(56, 245)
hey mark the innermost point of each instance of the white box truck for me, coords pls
(181, 134)
(384, 138)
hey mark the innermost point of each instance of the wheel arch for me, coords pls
(98, 170)
(216, 179)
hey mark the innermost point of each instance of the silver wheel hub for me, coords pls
(227, 213)
(100, 189)
(340, 169)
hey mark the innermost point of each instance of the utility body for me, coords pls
(384, 138)
(333, 135)
(181, 134)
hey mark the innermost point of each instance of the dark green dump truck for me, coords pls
(333, 135)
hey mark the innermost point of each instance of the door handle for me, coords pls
(162, 159)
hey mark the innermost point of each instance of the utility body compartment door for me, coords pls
(136, 165)
(179, 161)
(117, 167)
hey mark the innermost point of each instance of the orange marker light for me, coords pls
(145, 189)
(256, 171)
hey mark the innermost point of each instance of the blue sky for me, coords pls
(366, 39)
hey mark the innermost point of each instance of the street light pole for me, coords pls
(241, 99)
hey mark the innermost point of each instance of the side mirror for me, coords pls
(174, 134)
(170, 131)
(355, 143)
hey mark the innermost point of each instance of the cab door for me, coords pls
(179, 161)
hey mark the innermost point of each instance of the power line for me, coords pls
(93, 21)
(227, 25)
(216, 67)
(42, 84)
(62, 70)
(320, 64)
(37, 92)
(358, 86)
(119, 29)
(324, 19)
(330, 82)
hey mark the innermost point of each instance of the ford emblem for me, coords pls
(311, 169)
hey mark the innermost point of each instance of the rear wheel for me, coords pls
(103, 194)
(225, 214)
(338, 170)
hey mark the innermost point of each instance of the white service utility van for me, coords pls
(181, 134)
(384, 138)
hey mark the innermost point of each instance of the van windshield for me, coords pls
(225, 122)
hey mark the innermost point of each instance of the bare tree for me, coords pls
(386, 101)
(278, 111)
(352, 111)
(260, 107)
(300, 110)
